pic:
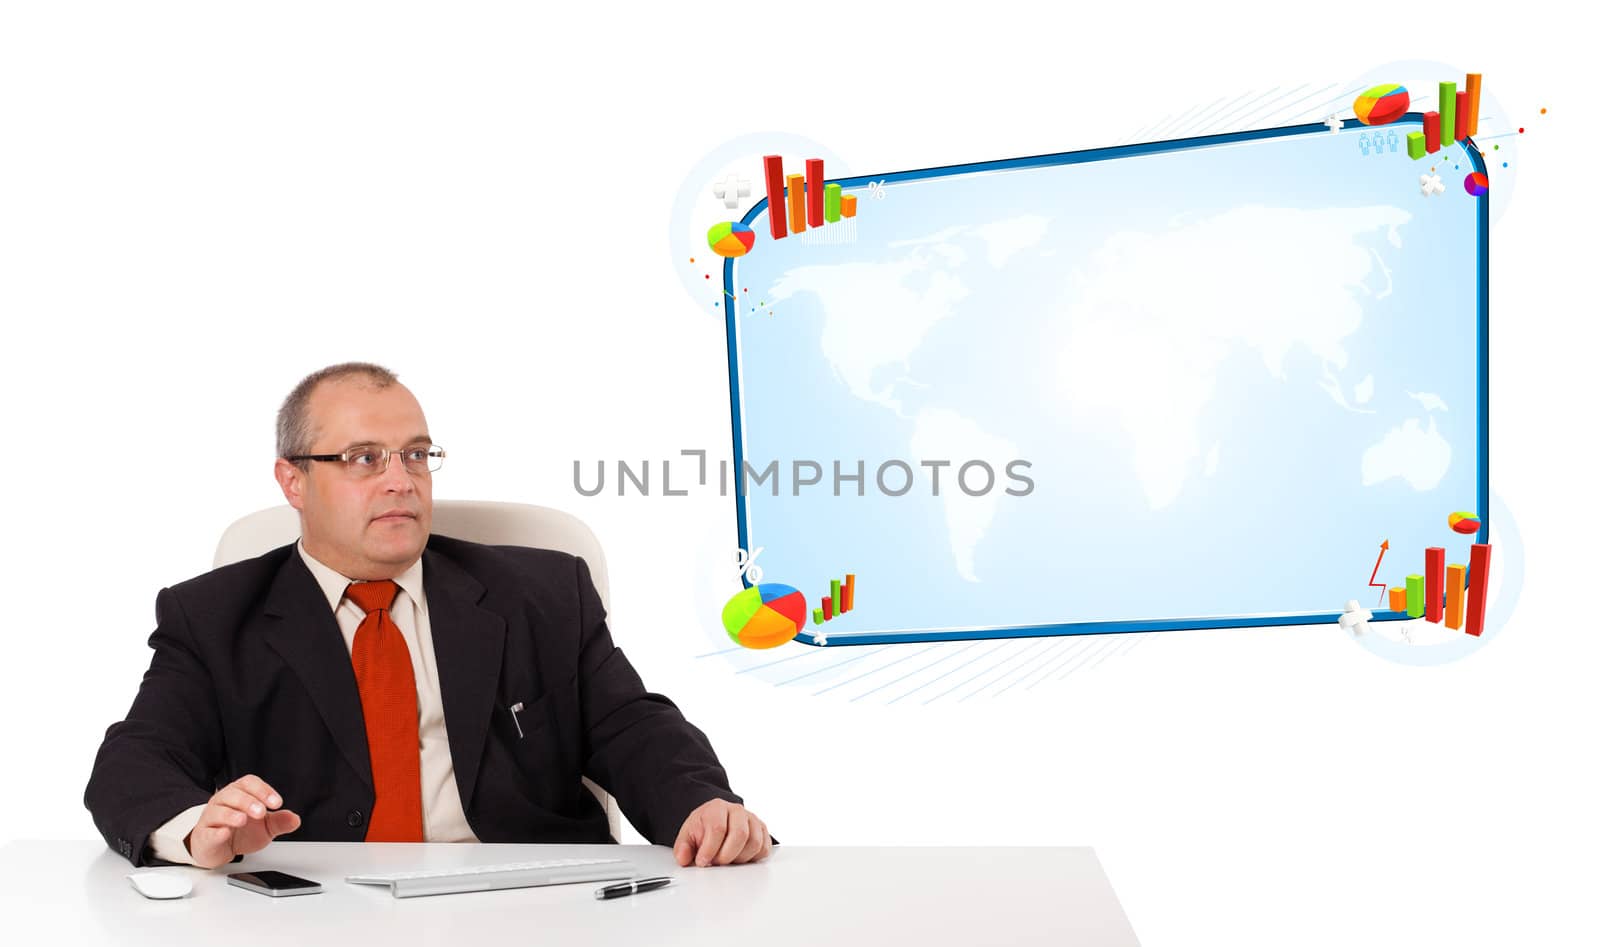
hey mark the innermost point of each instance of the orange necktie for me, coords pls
(389, 706)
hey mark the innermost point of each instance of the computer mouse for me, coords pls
(161, 885)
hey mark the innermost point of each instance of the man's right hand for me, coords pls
(241, 818)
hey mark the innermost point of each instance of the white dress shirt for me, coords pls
(443, 819)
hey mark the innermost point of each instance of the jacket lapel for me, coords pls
(302, 630)
(468, 644)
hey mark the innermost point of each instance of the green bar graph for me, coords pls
(833, 592)
(830, 203)
(1416, 145)
(1447, 113)
(816, 616)
(1416, 598)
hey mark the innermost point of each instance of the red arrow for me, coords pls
(1373, 583)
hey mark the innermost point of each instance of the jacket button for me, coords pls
(353, 818)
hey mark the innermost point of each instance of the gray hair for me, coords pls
(294, 427)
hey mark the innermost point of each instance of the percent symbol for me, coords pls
(875, 190)
(746, 563)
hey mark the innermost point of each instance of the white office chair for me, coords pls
(497, 524)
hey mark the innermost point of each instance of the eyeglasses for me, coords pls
(370, 461)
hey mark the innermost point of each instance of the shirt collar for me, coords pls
(333, 584)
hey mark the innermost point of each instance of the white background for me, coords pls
(199, 204)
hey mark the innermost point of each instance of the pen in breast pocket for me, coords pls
(514, 708)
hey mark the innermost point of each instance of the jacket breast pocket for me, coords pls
(531, 741)
(520, 718)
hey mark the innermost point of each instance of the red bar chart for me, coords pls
(797, 202)
(1477, 588)
(840, 598)
(773, 165)
(1433, 557)
(814, 192)
(1454, 594)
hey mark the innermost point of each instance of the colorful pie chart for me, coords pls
(764, 616)
(1476, 183)
(730, 238)
(1382, 104)
(1465, 523)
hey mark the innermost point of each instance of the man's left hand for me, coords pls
(721, 833)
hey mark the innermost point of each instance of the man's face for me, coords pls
(370, 527)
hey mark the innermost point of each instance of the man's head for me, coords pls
(365, 526)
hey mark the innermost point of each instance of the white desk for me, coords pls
(75, 892)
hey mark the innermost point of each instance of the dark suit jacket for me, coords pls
(251, 675)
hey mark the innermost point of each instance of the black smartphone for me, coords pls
(274, 884)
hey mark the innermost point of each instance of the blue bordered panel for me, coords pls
(804, 547)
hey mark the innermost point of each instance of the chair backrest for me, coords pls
(496, 524)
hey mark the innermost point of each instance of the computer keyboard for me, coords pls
(560, 871)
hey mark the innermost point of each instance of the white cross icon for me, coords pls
(730, 189)
(1355, 618)
(1333, 124)
(1431, 185)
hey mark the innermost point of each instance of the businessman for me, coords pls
(373, 682)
